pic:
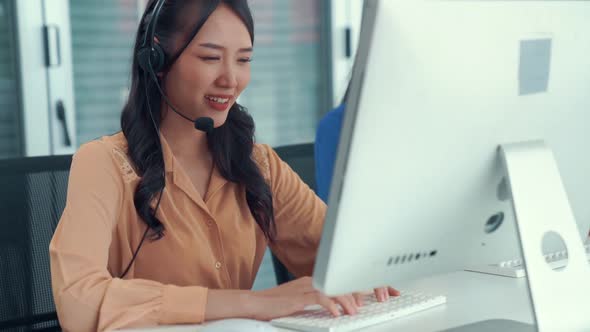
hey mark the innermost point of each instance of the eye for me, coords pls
(209, 58)
(245, 60)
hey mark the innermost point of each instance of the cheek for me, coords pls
(172, 88)
(243, 80)
(196, 76)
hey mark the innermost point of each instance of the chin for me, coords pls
(219, 119)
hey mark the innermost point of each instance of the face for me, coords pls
(213, 70)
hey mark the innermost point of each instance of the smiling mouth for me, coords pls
(218, 100)
(218, 103)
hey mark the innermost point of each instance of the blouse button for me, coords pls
(218, 265)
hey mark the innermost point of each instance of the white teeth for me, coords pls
(218, 100)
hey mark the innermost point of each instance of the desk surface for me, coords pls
(471, 297)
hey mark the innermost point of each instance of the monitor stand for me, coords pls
(560, 298)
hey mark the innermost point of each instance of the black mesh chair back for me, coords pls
(300, 158)
(32, 198)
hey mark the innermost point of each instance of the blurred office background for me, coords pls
(64, 71)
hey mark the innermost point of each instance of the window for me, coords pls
(290, 88)
(103, 34)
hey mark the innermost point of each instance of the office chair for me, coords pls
(32, 198)
(300, 158)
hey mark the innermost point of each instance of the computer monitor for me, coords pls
(419, 185)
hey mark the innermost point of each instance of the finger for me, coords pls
(377, 292)
(327, 303)
(393, 292)
(380, 294)
(347, 303)
(358, 298)
(385, 293)
(309, 299)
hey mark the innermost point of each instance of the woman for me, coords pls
(165, 224)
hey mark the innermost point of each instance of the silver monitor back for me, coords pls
(438, 86)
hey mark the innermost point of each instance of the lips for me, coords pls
(218, 102)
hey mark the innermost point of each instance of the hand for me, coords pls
(294, 296)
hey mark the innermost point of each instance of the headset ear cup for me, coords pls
(158, 58)
(143, 58)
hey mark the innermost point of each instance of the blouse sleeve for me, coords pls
(299, 216)
(86, 296)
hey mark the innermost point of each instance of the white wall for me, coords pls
(345, 13)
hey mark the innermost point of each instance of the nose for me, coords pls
(228, 77)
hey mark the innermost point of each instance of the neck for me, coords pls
(184, 140)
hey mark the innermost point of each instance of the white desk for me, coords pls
(471, 297)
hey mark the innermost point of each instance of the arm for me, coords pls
(87, 297)
(299, 217)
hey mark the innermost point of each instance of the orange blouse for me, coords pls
(211, 243)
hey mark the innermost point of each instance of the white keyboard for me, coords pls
(371, 313)
(515, 268)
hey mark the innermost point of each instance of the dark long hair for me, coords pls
(231, 144)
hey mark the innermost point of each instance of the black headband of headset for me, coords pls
(151, 28)
(150, 34)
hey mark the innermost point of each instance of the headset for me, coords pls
(152, 59)
(150, 56)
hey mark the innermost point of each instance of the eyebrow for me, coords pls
(219, 47)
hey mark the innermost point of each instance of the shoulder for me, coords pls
(103, 149)
(273, 168)
(108, 153)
